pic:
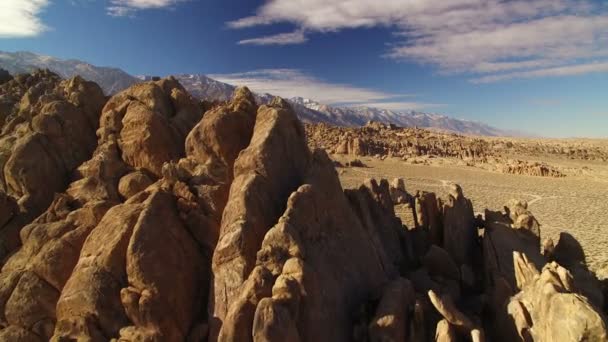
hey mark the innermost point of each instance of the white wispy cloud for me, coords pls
(570, 70)
(493, 37)
(296, 37)
(20, 18)
(290, 83)
(125, 8)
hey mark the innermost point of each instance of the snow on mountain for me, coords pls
(309, 110)
(111, 80)
(205, 88)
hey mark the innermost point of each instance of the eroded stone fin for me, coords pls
(265, 173)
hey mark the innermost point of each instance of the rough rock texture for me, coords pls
(265, 173)
(119, 287)
(520, 167)
(423, 146)
(47, 130)
(549, 309)
(387, 140)
(225, 226)
(501, 239)
(149, 123)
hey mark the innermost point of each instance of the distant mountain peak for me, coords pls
(113, 80)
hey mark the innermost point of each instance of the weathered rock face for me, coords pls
(501, 239)
(265, 173)
(519, 167)
(319, 233)
(387, 140)
(117, 287)
(549, 309)
(48, 129)
(149, 123)
(423, 146)
(120, 288)
(229, 228)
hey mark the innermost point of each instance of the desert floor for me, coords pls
(577, 203)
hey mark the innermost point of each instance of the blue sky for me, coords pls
(534, 65)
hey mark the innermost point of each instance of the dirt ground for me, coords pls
(577, 204)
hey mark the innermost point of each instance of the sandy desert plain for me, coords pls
(576, 203)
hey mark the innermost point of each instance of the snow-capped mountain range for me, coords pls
(309, 110)
(113, 80)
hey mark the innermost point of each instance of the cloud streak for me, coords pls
(296, 37)
(571, 70)
(20, 18)
(128, 8)
(290, 83)
(494, 37)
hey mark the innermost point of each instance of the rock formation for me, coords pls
(48, 130)
(190, 223)
(388, 140)
(421, 146)
(519, 167)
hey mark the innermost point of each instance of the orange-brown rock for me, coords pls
(520, 167)
(306, 246)
(408, 142)
(500, 240)
(229, 228)
(549, 309)
(48, 129)
(150, 122)
(265, 173)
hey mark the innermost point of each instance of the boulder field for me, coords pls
(150, 216)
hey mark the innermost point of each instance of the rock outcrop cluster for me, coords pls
(389, 140)
(189, 223)
(520, 167)
(411, 144)
(47, 130)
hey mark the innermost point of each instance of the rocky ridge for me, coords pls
(48, 129)
(111, 80)
(389, 141)
(191, 223)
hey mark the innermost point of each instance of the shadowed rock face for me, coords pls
(4, 76)
(189, 223)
